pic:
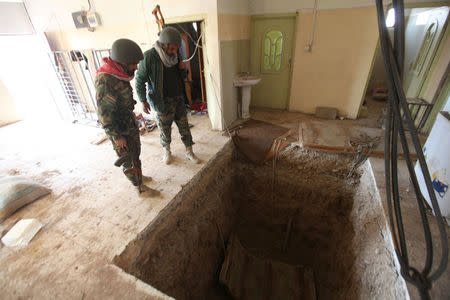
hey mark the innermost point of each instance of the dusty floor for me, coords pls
(413, 228)
(93, 214)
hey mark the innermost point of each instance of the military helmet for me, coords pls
(126, 51)
(170, 35)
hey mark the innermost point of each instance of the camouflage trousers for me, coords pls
(176, 112)
(133, 147)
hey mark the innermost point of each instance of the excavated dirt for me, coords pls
(319, 207)
(338, 228)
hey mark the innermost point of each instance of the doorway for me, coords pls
(423, 33)
(272, 46)
(192, 52)
(424, 30)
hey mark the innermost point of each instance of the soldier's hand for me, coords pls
(146, 107)
(182, 65)
(121, 142)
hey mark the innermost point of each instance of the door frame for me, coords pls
(293, 48)
(201, 21)
(437, 53)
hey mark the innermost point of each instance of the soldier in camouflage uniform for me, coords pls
(116, 104)
(164, 72)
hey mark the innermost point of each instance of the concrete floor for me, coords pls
(93, 212)
(413, 228)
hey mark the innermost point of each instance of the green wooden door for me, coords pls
(419, 68)
(271, 59)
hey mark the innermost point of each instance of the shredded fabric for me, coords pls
(115, 69)
(168, 61)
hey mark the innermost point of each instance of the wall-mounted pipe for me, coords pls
(311, 40)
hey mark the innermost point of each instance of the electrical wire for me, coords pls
(195, 50)
(190, 36)
(393, 60)
(218, 104)
(145, 20)
(313, 30)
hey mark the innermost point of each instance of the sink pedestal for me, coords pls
(246, 94)
(245, 83)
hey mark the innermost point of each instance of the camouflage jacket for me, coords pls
(150, 71)
(115, 105)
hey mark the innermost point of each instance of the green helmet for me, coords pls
(126, 51)
(170, 35)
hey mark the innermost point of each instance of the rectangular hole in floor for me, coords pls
(338, 231)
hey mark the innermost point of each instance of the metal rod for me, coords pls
(85, 110)
(91, 97)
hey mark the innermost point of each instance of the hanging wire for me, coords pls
(393, 60)
(196, 47)
(145, 20)
(190, 36)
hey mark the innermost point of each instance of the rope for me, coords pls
(196, 47)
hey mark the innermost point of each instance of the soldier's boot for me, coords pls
(167, 157)
(190, 155)
(145, 191)
(143, 178)
(146, 178)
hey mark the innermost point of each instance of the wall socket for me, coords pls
(79, 19)
(93, 19)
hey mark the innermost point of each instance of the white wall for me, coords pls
(29, 77)
(49, 15)
(8, 111)
(14, 19)
(284, 6)
(290, 6)
(335, 72)
(235, 7)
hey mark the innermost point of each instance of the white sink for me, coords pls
(245, 83)
(246, 80)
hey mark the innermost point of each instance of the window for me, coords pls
(272, 50)
(390, 18)
(425, 48)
